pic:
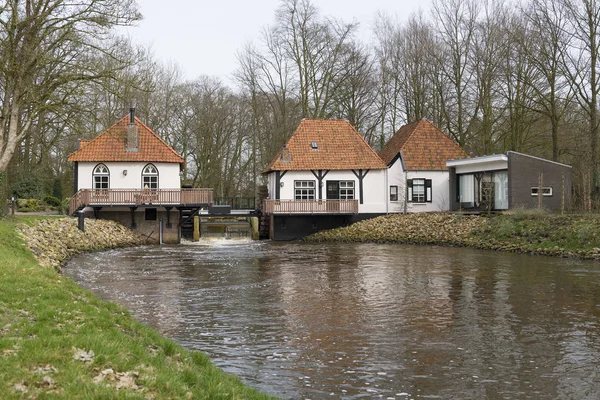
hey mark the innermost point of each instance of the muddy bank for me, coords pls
(53, 241)
(574, 235)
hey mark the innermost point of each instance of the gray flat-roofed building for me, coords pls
(505, 181)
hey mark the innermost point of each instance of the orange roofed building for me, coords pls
(418, 177)
(129, 174)
(325, 176)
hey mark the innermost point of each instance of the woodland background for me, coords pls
(494, 75)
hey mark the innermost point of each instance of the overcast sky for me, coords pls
(202, 36)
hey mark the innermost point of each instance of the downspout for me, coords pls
(405, 191)
(386, 192)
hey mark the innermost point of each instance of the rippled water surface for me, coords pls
(368, 321)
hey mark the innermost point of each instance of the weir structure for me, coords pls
(150, 212)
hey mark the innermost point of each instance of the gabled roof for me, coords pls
(423, 147)
(110, 146)
(327, 145)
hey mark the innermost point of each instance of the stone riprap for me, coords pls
(576, 236)
(53, 241)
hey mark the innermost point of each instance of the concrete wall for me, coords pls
(168, 175)
(292, 227)
(147, 228)
(524, 173)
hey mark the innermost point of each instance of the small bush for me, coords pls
(521, 213)
(28, 205)
(52, 201)
(585, 232)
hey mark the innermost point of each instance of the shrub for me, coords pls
(52, 201)
(28, 188)
(28, 205)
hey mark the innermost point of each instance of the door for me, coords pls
(333, 196)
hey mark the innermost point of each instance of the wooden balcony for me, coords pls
(310, 206)
(137, 197)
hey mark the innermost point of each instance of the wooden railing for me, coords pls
(133, 197)
(310, 206)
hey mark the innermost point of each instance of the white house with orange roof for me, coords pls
(418, 178)
(129, 174)
(325, 176)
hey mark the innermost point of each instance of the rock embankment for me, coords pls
(418, 228)
(53, 241)
(574, 235)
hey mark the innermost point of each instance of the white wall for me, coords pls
(168, 175)
(439, 189)
(374, 189)
(481, 166)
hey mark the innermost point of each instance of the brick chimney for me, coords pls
(133, 137)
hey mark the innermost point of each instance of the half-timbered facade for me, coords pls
(325, 176)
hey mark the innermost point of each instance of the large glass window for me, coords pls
(101, 177)
(304, 190)
(501, 190)
(466, 190)
(150, 177)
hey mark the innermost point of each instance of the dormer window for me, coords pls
(101, 177)
(150, 177)
(315, 146)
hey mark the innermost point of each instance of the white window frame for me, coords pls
(346, 190)
(150, 177)
(546, 191)
(421, 198)
(101, 172)
(304, 190)
(392, 194)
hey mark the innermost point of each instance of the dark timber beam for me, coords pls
(278, 176)
(360, 174)
(320, 174)
(133, 224)
(169, 224)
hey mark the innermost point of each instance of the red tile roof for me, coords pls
(110, 146)
(423, 146)
(339, 147)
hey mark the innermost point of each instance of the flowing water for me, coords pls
(354, 321)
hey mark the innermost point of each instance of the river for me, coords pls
(321, 321)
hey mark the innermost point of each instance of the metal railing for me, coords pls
(133, 197)
(310, 206)
(236, 203)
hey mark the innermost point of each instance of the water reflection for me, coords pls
(353, 321)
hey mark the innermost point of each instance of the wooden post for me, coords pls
(254, 225)
(196, 229)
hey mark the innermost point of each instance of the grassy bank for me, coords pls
(59, 341)
(535, 232)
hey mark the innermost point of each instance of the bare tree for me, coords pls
(46, 45)
(581, 65)
(456, 22)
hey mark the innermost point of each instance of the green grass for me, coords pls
(571, 232)
(45, 319)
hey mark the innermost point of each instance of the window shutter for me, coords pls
(428, 190)
(409, 190)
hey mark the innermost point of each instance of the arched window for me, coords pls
(101, 176)
(150, 177)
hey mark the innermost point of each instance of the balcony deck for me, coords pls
(310, 206)
(140, 197)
